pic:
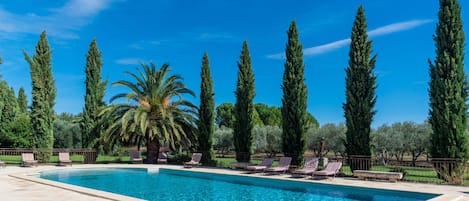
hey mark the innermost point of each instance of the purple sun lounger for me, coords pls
(331, 169)
(283, 165)
(266, 163)
(310, 165)
(194, 161)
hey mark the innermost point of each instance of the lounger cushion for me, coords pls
(256, 167)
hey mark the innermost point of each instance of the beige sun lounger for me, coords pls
(194, 161)
(162, 157)
(331, 169)
(135, 157)
(283, 165)
(64, 158)
(266, 163)
(310, 165)
(27, 160)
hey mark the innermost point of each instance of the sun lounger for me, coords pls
(135, 157)
(310, 165)
(364, 174)
(162, 157)
(331, 169)
(2, 164)
(27, 160)
(194, 161)
(64, 158)
(283, 166)
(266, 163)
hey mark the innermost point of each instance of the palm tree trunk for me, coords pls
(153, 147)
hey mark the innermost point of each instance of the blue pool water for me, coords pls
(183, 185)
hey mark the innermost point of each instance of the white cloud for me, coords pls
(143, 44)
(62, 22)
(83, 8)
(384, 30)
(129, 61)
(397, 27)
(276, 56)
(320, 49)
(215, 36)
(326, 47)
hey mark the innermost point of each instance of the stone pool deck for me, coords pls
(17, 184)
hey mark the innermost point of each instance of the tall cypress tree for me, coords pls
(448, 91)
(295, 94)
(22, 101)
(206, 112)
(43, 96)
(244, 107)
(359, 91)
(93, 97)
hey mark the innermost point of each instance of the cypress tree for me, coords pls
(9, 107)
(448, 91)
(43, 96)
(295, 94)
(206, 112)
(22, 101)
(244, 107)
(93, 97)
(359, 91)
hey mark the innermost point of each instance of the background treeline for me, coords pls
(394, 141)
(399, 141)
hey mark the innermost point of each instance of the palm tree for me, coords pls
(154, 111)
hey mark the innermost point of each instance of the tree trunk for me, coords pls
(415, 156)
(153, 147)
(243, 156)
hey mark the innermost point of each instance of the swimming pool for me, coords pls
(169, 184)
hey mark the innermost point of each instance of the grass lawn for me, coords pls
(16, 159)
(412, 174)
(225, 162)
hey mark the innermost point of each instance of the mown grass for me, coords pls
(225, 162)
(16, 159)
(411, 174)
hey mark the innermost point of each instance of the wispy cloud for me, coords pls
(398, 27)
(384, 30)
(143, 44)
(129, 61)
(382, 73)
(83, 8)
(214, 36)
(61, 22)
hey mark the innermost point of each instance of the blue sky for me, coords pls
(178, 32)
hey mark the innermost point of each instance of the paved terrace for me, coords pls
(15, 184)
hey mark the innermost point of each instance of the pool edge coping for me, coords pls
(28, 176)
(74, 188)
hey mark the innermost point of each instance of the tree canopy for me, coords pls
(93, 96)
(43, 96)
(448, 92)
(154, 111)
(206, 112)
(244, 107)
(294, 101)
(359, 90)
